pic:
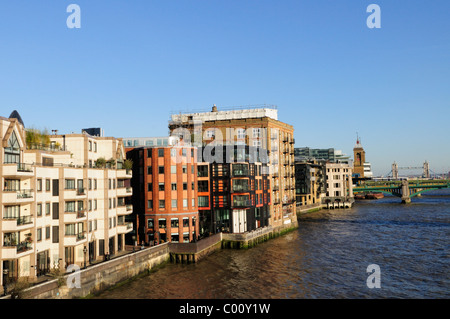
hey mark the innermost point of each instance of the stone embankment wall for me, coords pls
(99, 277)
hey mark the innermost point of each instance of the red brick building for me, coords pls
(165, 193)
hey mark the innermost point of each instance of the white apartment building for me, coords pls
(59, 205)
(339, 181)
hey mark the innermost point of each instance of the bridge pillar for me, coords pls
(405, 193)
(406, 200)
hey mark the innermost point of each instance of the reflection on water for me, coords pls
(326, 257)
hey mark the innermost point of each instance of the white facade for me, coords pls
(55, 203)
(339, 180)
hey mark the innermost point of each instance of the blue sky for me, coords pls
(133, 62)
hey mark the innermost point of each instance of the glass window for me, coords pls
(203, 201)
(161, 152)
(162, 203)
(174, 203)
(70, 184)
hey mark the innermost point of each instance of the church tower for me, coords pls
(359, 158)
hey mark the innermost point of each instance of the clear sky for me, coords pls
(133, 62)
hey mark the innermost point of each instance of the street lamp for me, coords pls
(84, 251)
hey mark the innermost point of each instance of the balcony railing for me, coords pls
(240, 188)
(81, 214)
(202, 173)
(129, 189)
(24, 220)
(81, 236)
(242, 203)
(22, 167)
(26, 193)
(24, 246)
(129, 207)
(240, 172)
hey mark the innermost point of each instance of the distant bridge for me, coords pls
(427, 172)
(404, 189)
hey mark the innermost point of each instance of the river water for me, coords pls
(327, 257)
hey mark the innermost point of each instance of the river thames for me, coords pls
(326, 257)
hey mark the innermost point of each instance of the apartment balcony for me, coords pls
(17, 223)
(124, 192)
(240, 188)
(74, 239)
(123, 173)
(125, 228)
(17, 251)
(20, 170)
(124, 209)
(25, 194)
(75, 193)
(241, 203)
(17, 196)
(73, 217)
(240, 172)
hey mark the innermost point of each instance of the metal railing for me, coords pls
(26, 193)
(24, 246)
(22, 167)
(23, 220)
(242, 203)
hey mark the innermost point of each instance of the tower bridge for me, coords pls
(425, 170)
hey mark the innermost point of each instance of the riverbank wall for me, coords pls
(253, 238)
(99, 277)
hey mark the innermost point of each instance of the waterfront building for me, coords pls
(310, 182)
(165, 193)
(235, 189)
(63, 200)
(257, 127)
(339, 183)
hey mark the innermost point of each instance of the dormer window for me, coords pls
(12, 151)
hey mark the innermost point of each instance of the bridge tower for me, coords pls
(395, 170)
(426, 170)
